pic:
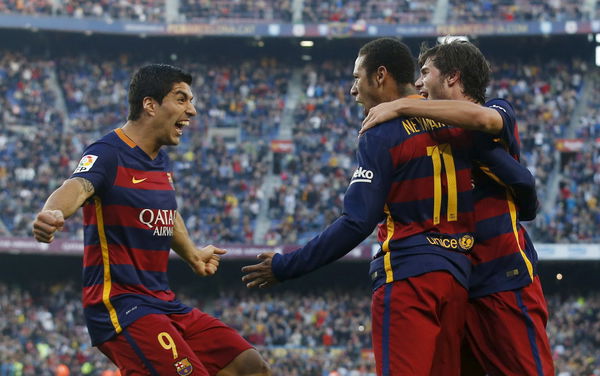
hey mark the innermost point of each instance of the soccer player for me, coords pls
(507, 313)
(414, 180)
(125, 184)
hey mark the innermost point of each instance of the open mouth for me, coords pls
(180, 125)
(424, 94)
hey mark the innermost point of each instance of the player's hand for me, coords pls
(379, 114)
(46, 223)
(207, 260)
(261, 274)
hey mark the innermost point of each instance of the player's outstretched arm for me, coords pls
(203, 261)
(463, 114)
(61, 204)
(261, 274)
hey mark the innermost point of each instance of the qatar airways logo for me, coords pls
(362, 176)
(160, 220)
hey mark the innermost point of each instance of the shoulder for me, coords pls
(389, 132)
(102, 151)
(109, 142)
(500, 104)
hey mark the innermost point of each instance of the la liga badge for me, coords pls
(86, 163)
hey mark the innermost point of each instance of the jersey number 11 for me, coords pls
(442, 155)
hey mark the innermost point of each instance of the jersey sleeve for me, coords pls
(507, 171)
(363, 209)
(508, 136)
(98, 165)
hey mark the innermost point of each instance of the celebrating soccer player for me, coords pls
(125, 184)
(414, 180)
(507, 314)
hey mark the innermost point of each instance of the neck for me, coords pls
(139, 133)
(403, 90)
(406, 89)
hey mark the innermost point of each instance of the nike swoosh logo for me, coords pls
(137, 181)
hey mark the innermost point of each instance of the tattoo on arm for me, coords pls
(88, 187)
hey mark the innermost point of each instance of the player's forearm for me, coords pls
(341, 237)
(463, 114)
(69, 197)
(182, 244)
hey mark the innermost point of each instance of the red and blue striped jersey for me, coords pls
(503, 257)
(414, 180)
(128, 228)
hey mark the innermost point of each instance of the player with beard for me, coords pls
(124, 182)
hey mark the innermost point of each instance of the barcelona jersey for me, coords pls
(503, 257)
(413, 181)
(128, 228)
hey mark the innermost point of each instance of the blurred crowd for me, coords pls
(52, 110)
(315, 176)
(218, 179)
(544, 96)
(322, 334)
(139, 10)
(312, 11)
(372, 11)
(575, 215)
(236, 10)
(476, 11)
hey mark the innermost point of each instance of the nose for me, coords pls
(419, 83)
(191, 110)
(354, 90)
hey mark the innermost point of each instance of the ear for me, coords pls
(149, 106)
(453, 78)
(380, 75)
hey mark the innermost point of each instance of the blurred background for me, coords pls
(266, 162)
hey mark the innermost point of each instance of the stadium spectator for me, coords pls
(42, 327)
(213, 10)
(139, 10)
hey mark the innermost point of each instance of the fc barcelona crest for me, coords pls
(183, 367)
(466, 242)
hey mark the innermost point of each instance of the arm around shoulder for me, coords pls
(462, 114)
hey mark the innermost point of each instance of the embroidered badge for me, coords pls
(183, 367)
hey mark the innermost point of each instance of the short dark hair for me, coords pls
(394, 55)
(154, 81)
(463, 57)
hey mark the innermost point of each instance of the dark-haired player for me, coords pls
(125, 183)
(507, 314)
(414, 180)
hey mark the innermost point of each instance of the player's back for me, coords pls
(429, 208)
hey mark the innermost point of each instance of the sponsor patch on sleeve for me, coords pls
(86, 163)
(498, 107)
(362, 176)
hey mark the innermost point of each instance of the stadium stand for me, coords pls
(247, 100)
(299, 333)
(512, 11)
(139, 10)
(312, 11)
(55, 101)
(314, 178)
(378, 11)
(210, 10)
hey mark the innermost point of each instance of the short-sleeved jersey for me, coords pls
(128, 228)
(414, 180)
(503, 257)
